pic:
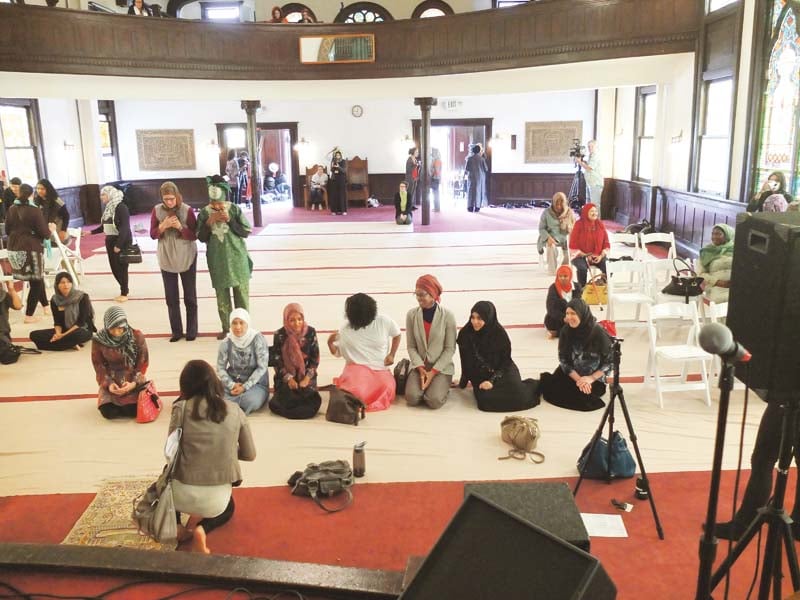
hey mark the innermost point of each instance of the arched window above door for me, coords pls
(363, 12)
(432, 8)
(293, 12)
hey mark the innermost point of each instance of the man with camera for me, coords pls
(594, 178)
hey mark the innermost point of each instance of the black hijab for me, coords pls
(489, 346)
(582, 332)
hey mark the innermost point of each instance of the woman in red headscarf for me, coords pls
(296, 357)
(431, 344)
(561, 291)
(589, 242)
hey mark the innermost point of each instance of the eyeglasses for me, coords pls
(421, 294)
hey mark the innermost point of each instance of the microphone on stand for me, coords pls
(715, 338)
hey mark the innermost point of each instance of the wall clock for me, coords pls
(357, 110)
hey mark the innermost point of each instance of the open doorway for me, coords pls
(454, 138)
(276, 160)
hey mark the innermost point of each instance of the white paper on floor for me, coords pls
(599, 525)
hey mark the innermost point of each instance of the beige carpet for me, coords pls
(107, 520)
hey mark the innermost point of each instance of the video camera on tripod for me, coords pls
(576, 151)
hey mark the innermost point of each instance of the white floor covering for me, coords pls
(64, 445)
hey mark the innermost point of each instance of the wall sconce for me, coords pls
(494, 141)
(301, 144)
(677, 139)
(68, 146)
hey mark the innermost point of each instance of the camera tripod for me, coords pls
(779, 529)
(608, 417)
(579, 192)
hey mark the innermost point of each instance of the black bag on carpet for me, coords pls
(295, 404)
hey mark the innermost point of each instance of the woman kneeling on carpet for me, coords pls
(243, 363)
(296, 362)
(485, 351)
(559, 294)
(215, 438)
(73, 318)
(585, 358)
(120, 360)
(368, 342)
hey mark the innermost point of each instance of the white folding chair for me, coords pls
(686, 353)
(74, 253)
(66, 257)
(624, 244)
(654, 238)
(632, 289)
(714, 312)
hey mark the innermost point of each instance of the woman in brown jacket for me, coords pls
(120, 360)
(27, 230)
(215, 437)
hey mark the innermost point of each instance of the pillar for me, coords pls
(425, 105)
(250, 107)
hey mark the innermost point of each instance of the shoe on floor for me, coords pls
(191, 338)
(222, 335)
(176, 337)
(121, 299)
(30, 319)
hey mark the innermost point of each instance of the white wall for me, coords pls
(622, 163)
(61, 141)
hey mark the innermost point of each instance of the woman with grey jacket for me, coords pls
(215, 437)
(431, 344)
(555, 225)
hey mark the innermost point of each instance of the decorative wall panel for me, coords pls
(165, 149)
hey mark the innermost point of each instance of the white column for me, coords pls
(88, 119)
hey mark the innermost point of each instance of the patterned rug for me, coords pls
(107, 520)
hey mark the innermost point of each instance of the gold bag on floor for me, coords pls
(523, 434)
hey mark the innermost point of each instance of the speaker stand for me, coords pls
(608, 417)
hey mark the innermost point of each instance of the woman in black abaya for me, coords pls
(486, 362)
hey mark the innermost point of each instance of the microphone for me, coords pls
(715, 338)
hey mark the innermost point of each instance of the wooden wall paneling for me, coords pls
(626, 201)
(72, 199)
(521, 188)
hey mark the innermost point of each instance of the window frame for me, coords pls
(427, 4)
(204, 6)
(107, 109)
(508, 3)
(31, 105)
(355, 7)
(639, 118)
(293, 7)
(700, 135)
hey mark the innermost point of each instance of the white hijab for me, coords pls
(242, 341)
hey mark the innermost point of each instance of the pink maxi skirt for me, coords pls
(374, 388)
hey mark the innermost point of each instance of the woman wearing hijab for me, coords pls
(555, 225)
(775, 184)
(560, 293)
(115, 224)
(475, 171)
(173, 224)
(120, 360)
(485, 351)
(337, 185)
(431, 343)
(28, 236)
(242, 363)
(296, 362)
(584, 357)
(216, 436)
(368, 341)
(589, 242)
(716, 262)
(73, 318)
(54, 209)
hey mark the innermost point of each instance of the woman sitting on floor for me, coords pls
(120, 360)
(242, 363)
(589, 243)
(215, 438)
(368, 342)
(585, 358)
(560, 293)
(431, 343)
(485, 351)
(296, 361)
(73, 318)
(715, 263)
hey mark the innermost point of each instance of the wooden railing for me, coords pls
(53, 40)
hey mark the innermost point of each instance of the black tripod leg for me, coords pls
(607, 414)
(635, 444)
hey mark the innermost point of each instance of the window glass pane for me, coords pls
(235, 137)
(507, 3)
(105, 137)
(717, 4)
(432, 12)
(224, 13)
(110, 169)
(14, 123)
(22, 164)
(645, 159)
(649, 104)
(719, 97)
(713, 172)
(293, 17)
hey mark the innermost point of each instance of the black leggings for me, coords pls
(118, 268)
(115, 411)
(36, 294)
(211, 523)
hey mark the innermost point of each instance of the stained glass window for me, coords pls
(777, 149)
(363, 12)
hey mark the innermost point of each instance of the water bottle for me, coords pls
(359, 460)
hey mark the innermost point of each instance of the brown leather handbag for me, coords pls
(523, 434)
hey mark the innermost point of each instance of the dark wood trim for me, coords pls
(426, 4)
(72, 198)
(542, 33)
(109, 109)
(521, 188)
(257, 574)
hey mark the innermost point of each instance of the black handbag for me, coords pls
(401, 370)
(685, 282)
(131, 254)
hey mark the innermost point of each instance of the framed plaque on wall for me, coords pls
(165, 149)
(550, 141)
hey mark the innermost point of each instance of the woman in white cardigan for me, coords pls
(431, 344)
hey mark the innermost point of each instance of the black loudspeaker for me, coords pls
(764, 308)
(486, 553)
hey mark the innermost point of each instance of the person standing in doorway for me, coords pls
(412, 175)
(436, 177)
(594, 175)
(475, 173)
(232, 172)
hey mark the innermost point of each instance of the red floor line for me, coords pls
(444, 247)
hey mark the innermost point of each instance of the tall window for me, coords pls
(644, 141)
(108, 140)
(19, 129)
(715, 136)
(778, 147)
(363, 12)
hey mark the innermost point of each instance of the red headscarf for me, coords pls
(293, 358)
(589, 236)
(563, 270)
(429, 283)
